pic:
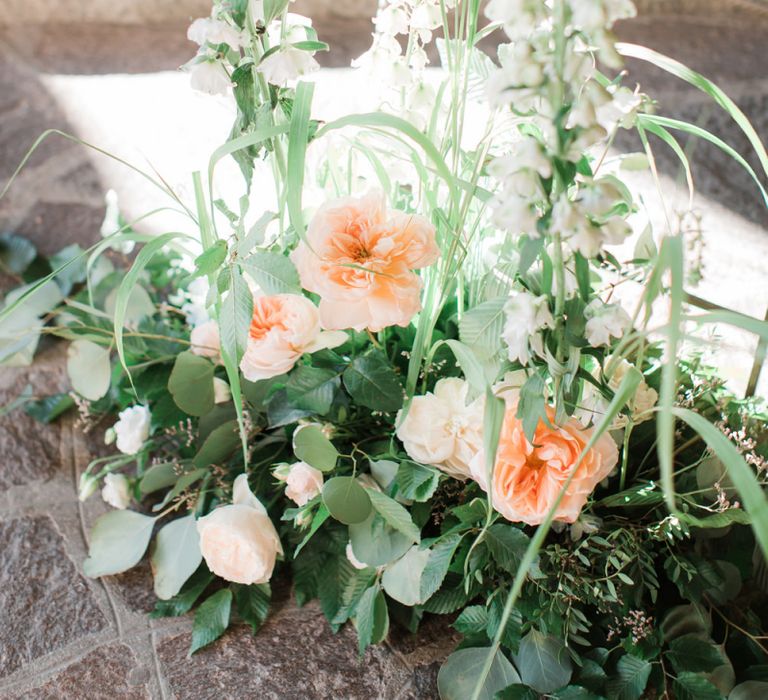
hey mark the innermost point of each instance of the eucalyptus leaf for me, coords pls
(89, 369)
(191, 384)
(458, 675)
(375, 543)
(543, 662)
(311, 446)
(346, 500)
(175, 556)
(118, 541)
(402, 579)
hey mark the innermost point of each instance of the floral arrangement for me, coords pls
(424, 395)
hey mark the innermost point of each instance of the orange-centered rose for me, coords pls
(360, 258)
(528, 477)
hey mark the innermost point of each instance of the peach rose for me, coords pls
(283, 328)
(303, 483)
(239, 541)
(528, 477)
(360, 259)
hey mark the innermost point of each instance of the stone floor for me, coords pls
(65, 636)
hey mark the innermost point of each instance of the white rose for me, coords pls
(441, 429)
(132, 429)
(239, 541)
(206, 341)
(605, 321)
(209, 77)
(645, 397)
(221, 391)
(286, 64)
(116, 491)
(303, 483)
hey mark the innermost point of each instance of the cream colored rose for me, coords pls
(132, 429)
(645, 397)
(303, 483)
(239, 541)
(205, 340)
(442, 430)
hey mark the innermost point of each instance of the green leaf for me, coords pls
(89, 369)
(375, 543)
(346, 500)
(118, 542)
(218, 446)
(211, 619)
(472, 620)
(298, 138)
(481, 328)
(395, 515)
(749, 690)
(311, 446)
(742, 476)
(211, 259)
(372, 618)
(175, 556)
(517, 691)
(507, 545)
(575, 692)
(71, 274)
(158, 476)
(313, 389)
(235, 316)
(440, 559)
(458, 675)
(16, 253)
(415, 481)
(402, 580)
(252, 603)
(532, 406)
(51, 407)
(191, 384)
(694, 686)
(273, 272)
(182, 603)
(470, 365)
(371, 382)
(632, 675)
(319, 518)
(691, 653)
(543, 662)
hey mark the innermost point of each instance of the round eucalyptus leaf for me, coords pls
(89, 369)
(312, 447)
(544, 662)
(402, 580)
(175, 556)
(346, 500)
(375, 543)
(461, 671)
(118, 542)
(749, 690)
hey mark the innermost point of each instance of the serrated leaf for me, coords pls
(691, 653)
(273, 272)
(311, 446)
(694, 686)
(458, 676)
(415, 481)
(211, 619)
(531, 408)
(440, 559)
(235, 316)
(117, 543)
(372, 618)
(481, 328)
(191, 384)
(51, 407)
(182, 603)
(543, 662)
(313, 389)
(395, 515)
(252, 603)
(507, 545)
(472, 620)
(631, 677)
(371, 382)
(176, 556)
(210, 260)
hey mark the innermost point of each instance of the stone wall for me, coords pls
(152, 11)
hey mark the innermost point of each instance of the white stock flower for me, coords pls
(215, 31)
(286, 64)
(526, 316)
(441, 429)
(116, 491)
(302, 483)
(620, 110)
(221, 391)
(111, 224)
(605, 321)
(391, 20)
(195, 308)
(516, 214)
(209, 77)
(132, 429)
(519, 17)
(239, 541)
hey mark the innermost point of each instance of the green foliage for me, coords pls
(211, 619)
(372, 382)
(313, 388)
(191, 384)
(311, 446)
(273, 272)
(118, 542)
(252, 603)
(458, 675)
(175, 556)
(543, 662)
(630, 679)
(346, 500)
(415, 481)
(372, 618)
